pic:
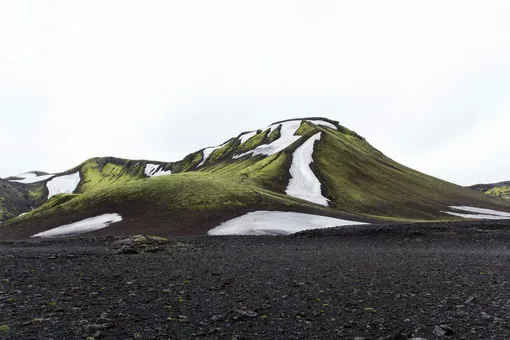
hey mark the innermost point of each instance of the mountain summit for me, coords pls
(309, 165)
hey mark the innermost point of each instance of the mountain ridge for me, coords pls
(249, 172)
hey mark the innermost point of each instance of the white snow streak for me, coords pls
(479, 213)
(304, 184)
(287, 137)
(321, 122)
(206, 153)
(276, 223)
(246, 136)
(30, 177)
(154, 170)
(83, 226)
(63, 184)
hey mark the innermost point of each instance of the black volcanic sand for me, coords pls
(446, 281)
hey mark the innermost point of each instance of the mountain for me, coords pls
(309, 165)
(501, 189)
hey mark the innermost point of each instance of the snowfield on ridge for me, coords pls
(30, 177)
(66, 184)
(287, 137)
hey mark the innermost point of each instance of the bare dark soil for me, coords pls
(441, 281)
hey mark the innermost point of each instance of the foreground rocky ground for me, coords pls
(429, 282)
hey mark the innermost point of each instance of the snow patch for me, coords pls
(63, 184)
(276, 223)
(287, 137)
(304, 184)
(321, 122)
(206, 153)
(247, 136)
(30, 177)
(154, 170)
(479, 213)
(83, 226)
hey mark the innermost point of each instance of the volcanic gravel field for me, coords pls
(421, 281)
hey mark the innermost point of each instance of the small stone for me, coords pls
(246, 313)
(217, 317)
(486, 316)
(469, 300)
(438, 331)
(126, 250)
(443, 330)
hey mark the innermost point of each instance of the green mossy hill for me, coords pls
(161, 206)
(501, 189)
(358, 180)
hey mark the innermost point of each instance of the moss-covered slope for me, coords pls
(176, 205)
(245, 174)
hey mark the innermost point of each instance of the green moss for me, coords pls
(4, 328)
(222, 152)
(275, 135)
(145, 240)
(253, 142)
(305, 128)
(97, 174)
(37, 193)
(189, 163)
(270, 172)
(503, 192)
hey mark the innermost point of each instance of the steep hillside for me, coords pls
(501, 189)
(313, 165)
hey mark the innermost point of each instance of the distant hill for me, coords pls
(501, 189)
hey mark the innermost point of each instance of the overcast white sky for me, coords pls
(426, 82)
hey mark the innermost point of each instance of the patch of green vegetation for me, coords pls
(223, 151)
(305, 128)
(270, 172)
(144, 240)
(253, 142)
(275, 135)
(99, 173)
(4, 328)
(52, 304)
(38, 193)
(59, 199)
(503, 192)
(189, 163)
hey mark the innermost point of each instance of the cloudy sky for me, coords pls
(426, 82)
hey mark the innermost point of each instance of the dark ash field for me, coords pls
(434, 281)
